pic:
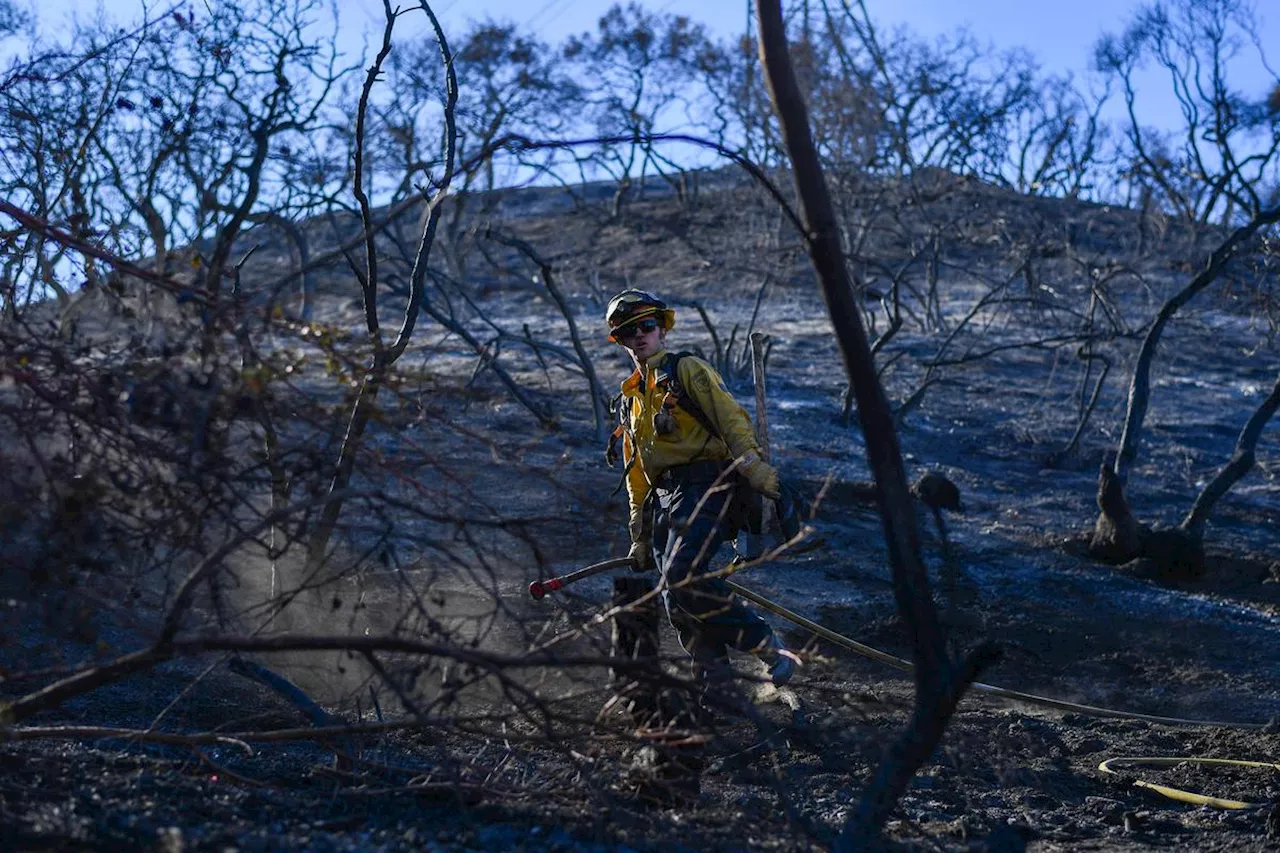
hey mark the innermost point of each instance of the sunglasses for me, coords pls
(643, 327)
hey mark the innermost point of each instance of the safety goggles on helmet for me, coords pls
(632, 306)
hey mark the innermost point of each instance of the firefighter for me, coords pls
(681, 432)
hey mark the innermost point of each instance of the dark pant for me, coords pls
(686, 536)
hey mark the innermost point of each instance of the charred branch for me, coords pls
(547, 277)
(1241, 463)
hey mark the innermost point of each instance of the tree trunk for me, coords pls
(939, 683)
(1117, 536)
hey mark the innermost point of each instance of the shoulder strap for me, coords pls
(615, 409)
(671, 366)
(611, 454)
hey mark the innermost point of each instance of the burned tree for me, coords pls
(633, 67)
(940, 681)
(1118, 536)
(1218, 166)
(383, 355)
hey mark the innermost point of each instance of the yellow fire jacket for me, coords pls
(642, 396)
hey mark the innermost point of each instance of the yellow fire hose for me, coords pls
(1108, 766)
(1113, 765)
(988, 689)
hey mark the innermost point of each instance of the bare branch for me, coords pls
(1241, 463)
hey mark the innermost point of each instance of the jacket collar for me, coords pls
(632, 382)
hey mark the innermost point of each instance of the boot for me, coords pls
(782, 662)
(719, 700)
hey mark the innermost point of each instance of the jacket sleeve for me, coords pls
(637, 487)
(707, 389)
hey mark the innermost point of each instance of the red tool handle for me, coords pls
(538, 589)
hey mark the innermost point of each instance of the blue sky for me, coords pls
(1060, 35)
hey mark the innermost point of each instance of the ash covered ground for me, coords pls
(540, 766)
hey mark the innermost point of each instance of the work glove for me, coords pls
(762, 476)
(641, 555)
